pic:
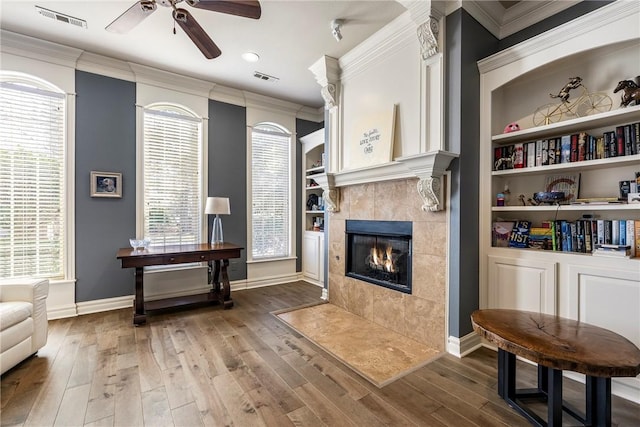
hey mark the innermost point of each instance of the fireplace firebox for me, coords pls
(379, 252)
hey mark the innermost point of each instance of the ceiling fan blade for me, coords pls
(245, 8)
(132, 16)
(195, 32)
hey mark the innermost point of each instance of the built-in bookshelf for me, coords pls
(598, 194)
(313, 164)
(602, 47)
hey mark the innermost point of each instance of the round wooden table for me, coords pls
(557, 344)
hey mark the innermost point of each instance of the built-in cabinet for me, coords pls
(602, 48)
(313, 164)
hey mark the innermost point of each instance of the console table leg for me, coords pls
(139, 315)
(221, 285)
(226, 286)
(598, 402)
(554, 397)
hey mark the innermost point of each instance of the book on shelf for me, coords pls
(519, 234)
(612, 254)
(540, 238)
(501, 232)
(565, 149)
(597, 201)
(582, 146)
(632, 237)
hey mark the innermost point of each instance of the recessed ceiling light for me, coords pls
(250, 57)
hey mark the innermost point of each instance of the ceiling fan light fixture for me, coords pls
(251, 57)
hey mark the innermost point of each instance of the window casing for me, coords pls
(172, 184)
(270, 192)
(32, 172)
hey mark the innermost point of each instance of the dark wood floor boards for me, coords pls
(243, 367)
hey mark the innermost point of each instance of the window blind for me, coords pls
(172, 208)
(32, 194)
(270, 188)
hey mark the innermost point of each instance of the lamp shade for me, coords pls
(217, 206)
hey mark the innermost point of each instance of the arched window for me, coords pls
(172, 175)
(270, 192)
(32, 173)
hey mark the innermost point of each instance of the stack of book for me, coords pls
(616, 251)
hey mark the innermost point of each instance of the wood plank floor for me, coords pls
(243, 367)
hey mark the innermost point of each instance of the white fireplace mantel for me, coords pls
(427, 167)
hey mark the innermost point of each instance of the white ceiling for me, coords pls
(289, 37)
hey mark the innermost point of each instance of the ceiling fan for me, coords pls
(143, 8)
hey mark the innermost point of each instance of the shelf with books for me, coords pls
(585, 165)
(579, 124)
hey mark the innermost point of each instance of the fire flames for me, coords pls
(382, 260)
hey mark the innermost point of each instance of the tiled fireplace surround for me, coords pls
(421, 315)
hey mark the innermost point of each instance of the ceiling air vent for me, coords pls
(61, 17)
(265, 77)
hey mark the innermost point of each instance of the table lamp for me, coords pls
(217, 206)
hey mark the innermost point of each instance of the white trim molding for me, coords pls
(465, 345)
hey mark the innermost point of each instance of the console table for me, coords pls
(218, 255)
(557, 344)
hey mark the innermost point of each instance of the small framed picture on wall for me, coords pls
(106, 184)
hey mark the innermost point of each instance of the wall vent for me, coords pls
(265, 77)
(61, 17)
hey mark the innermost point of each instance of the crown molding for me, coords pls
(42, 50)
(168, 80)
(394, 36)
(255, 100)
(503, 22)
(488, 15)
(311, 114)
(103, 65)
(525, 14)
(612, 12)
(228, 95)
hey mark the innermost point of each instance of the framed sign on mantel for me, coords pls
(372, 142)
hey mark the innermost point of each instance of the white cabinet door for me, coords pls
(321, 258)
(311, 252)
(522, 284)
(609, 298)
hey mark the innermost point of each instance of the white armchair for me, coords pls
(23, 319)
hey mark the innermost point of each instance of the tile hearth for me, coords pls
(376, 353)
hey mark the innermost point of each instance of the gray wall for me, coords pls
(106, 142)
(228, 176)
(303, 128)
(467, 42)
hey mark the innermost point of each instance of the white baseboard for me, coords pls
(270, 281)
(325, 294)
(60, 312)
(106, 304)
(311, 281)
(460, 347)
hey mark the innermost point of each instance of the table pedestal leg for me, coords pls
(222, 288)
(139, 315)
